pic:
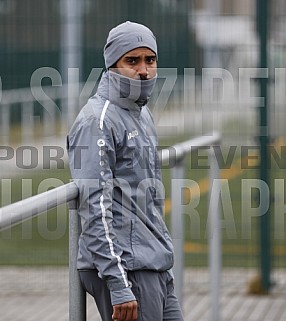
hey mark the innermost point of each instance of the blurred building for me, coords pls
(227, 28)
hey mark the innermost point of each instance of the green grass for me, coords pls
(44, 239)
(34, 243)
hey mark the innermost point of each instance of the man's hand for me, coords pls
(125, 312)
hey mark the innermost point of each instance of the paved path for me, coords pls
(41, 294)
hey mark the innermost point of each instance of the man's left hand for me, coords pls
(125, 312)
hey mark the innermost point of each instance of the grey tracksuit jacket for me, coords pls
(114, 162)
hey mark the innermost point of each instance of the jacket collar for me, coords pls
(107, 90)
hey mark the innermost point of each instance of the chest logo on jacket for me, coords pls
(132, 134)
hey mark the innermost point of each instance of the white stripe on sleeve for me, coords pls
(110, 241)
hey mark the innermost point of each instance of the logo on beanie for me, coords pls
(139, 38)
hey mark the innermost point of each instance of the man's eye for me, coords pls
(131, 61)
(151, 60)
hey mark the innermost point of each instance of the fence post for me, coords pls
(77, 296)
(27, 123)
(5, 124)
(177, 229)
(214, 235)
(264, 130)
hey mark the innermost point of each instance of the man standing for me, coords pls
(125, 251)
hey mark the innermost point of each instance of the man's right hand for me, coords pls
(127, 311)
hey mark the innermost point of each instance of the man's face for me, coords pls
(139, 63)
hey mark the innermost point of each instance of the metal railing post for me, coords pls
(214, 235)
(177, 228)
(77, 295)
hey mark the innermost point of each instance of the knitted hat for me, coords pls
(125, 37)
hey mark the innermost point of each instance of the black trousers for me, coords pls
(154, 292)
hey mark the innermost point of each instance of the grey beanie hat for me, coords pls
(125, 37)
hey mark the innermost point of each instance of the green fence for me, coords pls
(30, 34)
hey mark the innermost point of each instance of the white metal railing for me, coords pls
(57, 104)
(26, 209)
(184, 104)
